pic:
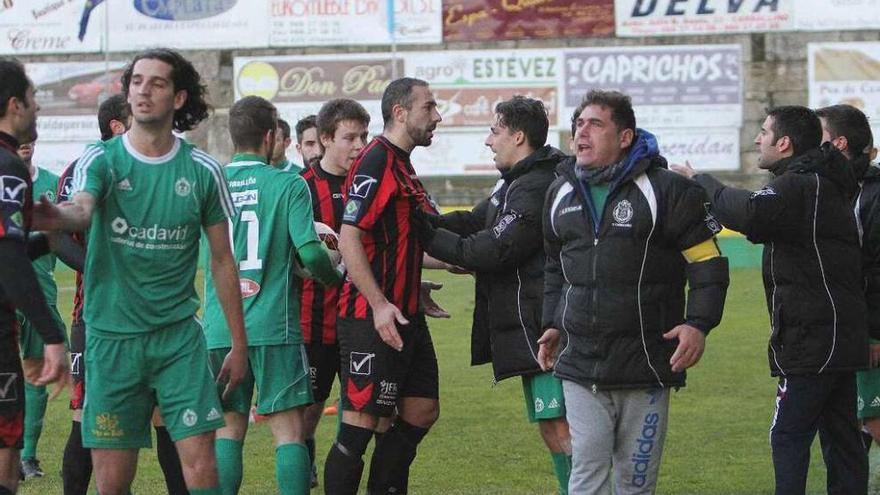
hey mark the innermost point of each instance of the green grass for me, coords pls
(717, 441)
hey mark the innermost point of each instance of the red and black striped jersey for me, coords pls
(317, 302)
(16, 207)
(383, 192)
(65, 188)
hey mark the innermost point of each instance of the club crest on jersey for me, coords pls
(351, 210)
(182, 187)
(622, 213)
(189, 417)
(361, 185)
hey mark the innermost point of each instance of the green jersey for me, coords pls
(143, 241)
(274, 220)
(46, 183)
(290, 166)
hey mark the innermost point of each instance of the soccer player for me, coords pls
(306, 144)
(623, 236)
(497, 241)
(848, 130)
(145, 197)
(76, 468)
(815, 294)
(387, 356)
(19, 286)
(273, 227)
(44, 183)
(342, 131)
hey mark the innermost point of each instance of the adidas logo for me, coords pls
(123, 185)
(553, 404)
(875, 402)
(213, 414)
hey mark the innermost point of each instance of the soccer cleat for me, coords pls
(30, 468)
(314, 477)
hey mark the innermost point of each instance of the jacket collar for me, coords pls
(9, 142)
(544, 156)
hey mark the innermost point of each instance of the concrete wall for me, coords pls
(775, 71)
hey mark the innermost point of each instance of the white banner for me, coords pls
(49, 26)
(846, 73)
(353, 22)
(460, 153)
(55, 156)
(706, 149)
(139, 24)
(670, 86)
(675, 17)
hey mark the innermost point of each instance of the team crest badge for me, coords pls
(182, 187)
(623, 212)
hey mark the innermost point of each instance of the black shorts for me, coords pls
(323, 368)
(374, 376)
(77, 364)
(11, 391)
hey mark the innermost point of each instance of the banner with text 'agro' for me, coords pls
(846, 73)
(50, 26)
(467, 86)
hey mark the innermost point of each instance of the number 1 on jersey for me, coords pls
(251, 260)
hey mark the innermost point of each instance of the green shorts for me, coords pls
(29, 340)
(543, 395)
(129, 374)
(280, 374)
(869, 393)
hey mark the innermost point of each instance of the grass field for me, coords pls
(717, 441)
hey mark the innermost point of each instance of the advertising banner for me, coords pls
(670, 86)
(69, 94)
(676, 17)
(50, 26)
(706, 149)
(846, 73)
(823, 15)
(138, 24)
(460, 153)
(299, 85)
(353, 22)
(482, 20)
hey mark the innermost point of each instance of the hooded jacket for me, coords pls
(615, 279)
(868, 210)
(812, 261)
(500, 241)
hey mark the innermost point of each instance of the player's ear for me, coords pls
(180, 99)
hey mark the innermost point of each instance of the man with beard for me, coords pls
(146, 198)
(623, 238)
(815, 296)
(19, 287)
(497, 241)
(387, 357)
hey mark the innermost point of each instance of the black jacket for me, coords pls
(868, 208)
(500, 240)
(615, 288)
(812, 260)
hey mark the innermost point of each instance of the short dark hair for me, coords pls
(850, 122)
(527, 115)
(399, 92)
(622, 113)
(114, 107)
(302, 126)
(15, 83)
(800, 124)
(184, 77)
(285, 128)
(335, 111)
(250, 118)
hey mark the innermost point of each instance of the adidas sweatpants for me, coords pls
(619, 430)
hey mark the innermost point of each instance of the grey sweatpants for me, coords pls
(623, 429)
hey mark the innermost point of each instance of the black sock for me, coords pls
(374, 466)
(389, 468)
(76, 466)
(6, 491)
(310, 444)
(170, 463)
(344, 466)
